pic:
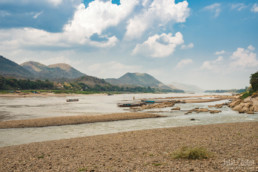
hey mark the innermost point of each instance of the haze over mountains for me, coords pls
(64, 72)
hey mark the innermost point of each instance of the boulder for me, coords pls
(215, 111)
(235, 103)
(176, 108)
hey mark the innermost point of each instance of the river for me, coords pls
(14, 108)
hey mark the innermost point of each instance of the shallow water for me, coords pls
(36, 107)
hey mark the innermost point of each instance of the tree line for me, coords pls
(26, 84)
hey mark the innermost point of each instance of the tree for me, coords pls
(254, 81)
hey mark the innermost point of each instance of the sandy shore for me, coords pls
(234, 148)
(71, 120)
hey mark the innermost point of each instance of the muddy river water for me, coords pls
(14, 108)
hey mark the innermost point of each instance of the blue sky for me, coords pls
(211, 44)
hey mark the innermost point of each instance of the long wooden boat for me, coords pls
(130, 104)
(72, 100)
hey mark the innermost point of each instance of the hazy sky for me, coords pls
(209, 43)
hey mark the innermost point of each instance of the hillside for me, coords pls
(138, 79)
(52, 72)
(186, 87)
(9, 68)
(91, 81)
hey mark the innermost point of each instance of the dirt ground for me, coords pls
(234, 147)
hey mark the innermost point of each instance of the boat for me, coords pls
(149, 101)
(130, 104)
(72, 100)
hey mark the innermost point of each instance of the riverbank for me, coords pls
(72, 120)
(233, 148)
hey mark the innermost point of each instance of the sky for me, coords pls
(212, 44)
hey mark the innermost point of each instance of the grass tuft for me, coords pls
(156, 164)
(192, 153)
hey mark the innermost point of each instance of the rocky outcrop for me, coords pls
(158, 105)
(218, 105)
(198, 110)
(176, 108)
(249, 105)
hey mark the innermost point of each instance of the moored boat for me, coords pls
(72, 100)
(130, 104)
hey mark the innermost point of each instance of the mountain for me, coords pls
(11, 69)
(186, 87)
(138, 79)
(91, 81)
(52, 72)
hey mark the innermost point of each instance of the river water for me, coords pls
(13, 108)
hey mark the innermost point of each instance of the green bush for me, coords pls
(246, 94)
(254, 81)
(192, 153)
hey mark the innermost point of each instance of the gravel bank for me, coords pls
(234, 148)
(71, 120)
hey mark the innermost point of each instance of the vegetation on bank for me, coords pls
(9, 85)
(252, 91)
(237, 91)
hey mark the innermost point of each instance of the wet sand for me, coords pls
(71, 120)
(234, 148)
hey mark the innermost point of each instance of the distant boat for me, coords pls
(149, 101)
(130, 104)
(72, 100)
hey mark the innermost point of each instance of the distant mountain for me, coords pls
(52, 72)
(138, 79)
(9, 68)
(186, 87)
(91, 81)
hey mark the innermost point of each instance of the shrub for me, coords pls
(254, 81)
(192, 153)
(246, 94)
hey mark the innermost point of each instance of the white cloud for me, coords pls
(215, 8)
(220, 52)
(55, 2)
(214, 65)
(37, 14)
(158, 13)
(244, 58)
(111, 69)
(97, 17)
(191, 45)
(184, 62)
(238, 6)
(4, 13)
(255, 8)
(250, 47)
(86, 22)
(159, 45)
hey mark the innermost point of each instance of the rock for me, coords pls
(159, 105)
(197, 110)
(217, 105)
(235, 103)
(192, 119)
(250, 112)
(176, 108)
(202, 110)
(215, 111)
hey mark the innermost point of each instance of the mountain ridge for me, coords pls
(53, 71)
(9, 68)
(138, 79)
